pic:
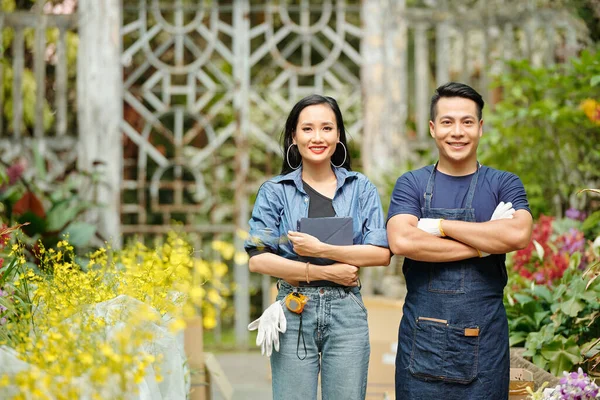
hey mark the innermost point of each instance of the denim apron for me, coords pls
(453, 338)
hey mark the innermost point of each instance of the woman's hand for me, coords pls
(343, 274)
(305, 244)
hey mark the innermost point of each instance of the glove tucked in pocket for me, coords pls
(445, 352)
(269, 325)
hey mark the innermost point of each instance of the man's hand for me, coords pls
(503, 211)
(305, 244)
(270, 323)
(431, 226)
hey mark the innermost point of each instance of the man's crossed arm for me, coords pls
(421, 239)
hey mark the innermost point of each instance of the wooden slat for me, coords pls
(422, 79)
(2, 77)
(551, 34)
(442, 53)
(17, 92)
(39, 69)
(466, 57)
(61, 83)
(571, 41)
(508, 43)
(483, 73)
(24, 19)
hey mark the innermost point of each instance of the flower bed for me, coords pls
(108, 329)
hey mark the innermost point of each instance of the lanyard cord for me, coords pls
(303, 342)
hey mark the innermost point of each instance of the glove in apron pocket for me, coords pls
(444, 352)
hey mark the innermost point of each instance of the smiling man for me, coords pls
(454, 222)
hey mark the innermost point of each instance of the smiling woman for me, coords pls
(316, 182)
(315, 120)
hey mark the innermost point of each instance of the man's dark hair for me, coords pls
(455, 89)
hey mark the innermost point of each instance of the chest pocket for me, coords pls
(447, 278)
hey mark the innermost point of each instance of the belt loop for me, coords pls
(278, 281)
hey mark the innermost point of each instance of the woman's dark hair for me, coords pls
(290, 127)
(455, 89)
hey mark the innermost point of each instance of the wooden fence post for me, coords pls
(385, 91)
(99, 107)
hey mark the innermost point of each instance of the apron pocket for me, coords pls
(444, 352)
(447, 278)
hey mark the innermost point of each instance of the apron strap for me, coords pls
(430, 183)
(471, 193)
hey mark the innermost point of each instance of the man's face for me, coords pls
(456, 129)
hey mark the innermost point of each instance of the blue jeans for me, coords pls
(334, 325)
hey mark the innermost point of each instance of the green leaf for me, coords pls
(80, 233)
(539, 360)
(61, 214)
(523, 298)
(37, 225)
(561, 354)
(595, 80)
(543, 292)
(540, 316)
(575, 260)
(572, 307)
(516, 338)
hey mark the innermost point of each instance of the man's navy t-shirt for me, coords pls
(493, 186)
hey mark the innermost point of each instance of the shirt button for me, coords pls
(306, 199)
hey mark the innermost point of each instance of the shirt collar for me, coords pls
(341, 174)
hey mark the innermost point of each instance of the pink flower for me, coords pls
(15, 171)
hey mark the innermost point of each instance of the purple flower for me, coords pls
(573, 241)
(2, 321)
(575, 386)
(575, 214)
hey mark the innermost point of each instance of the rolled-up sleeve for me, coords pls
(373, 224)
(264, 223)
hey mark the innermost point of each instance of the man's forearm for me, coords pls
(494, 237)
(421, 246)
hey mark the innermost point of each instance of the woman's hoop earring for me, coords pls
(345, 154)
(287, 157)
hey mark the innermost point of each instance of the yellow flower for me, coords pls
(591, 108)
(177, 325)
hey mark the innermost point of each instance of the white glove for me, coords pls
(271, 322)
(503, 211)
(431, 226)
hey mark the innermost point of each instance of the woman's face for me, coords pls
(316, 134)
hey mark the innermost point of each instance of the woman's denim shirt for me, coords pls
(282, 201)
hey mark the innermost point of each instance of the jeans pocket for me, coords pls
(358, 302)
(444, 352)
(447, 278)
